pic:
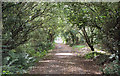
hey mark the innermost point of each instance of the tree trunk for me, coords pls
(77, 40)
(118, 21)
(91, 47)
(87, 39)
(73, 40)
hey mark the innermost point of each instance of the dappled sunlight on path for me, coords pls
(63, 60)
(64, 54)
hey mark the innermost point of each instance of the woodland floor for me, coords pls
(66, 60)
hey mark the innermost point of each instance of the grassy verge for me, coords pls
(78, 46)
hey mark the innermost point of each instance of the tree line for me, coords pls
(30, 28)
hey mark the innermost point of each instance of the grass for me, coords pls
(91, 55)
(78, 46)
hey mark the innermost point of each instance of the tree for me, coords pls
(22, 19)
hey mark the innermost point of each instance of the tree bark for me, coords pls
(87, 39)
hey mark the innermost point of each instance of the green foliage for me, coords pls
(17, 62)
(29, 30)
(92, 55)
(78, 46)
(71, 35)
(26, 36)
(112, 68)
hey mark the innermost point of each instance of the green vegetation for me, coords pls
(29, 31)
(92, 55)
(78, 46)
(112, 68)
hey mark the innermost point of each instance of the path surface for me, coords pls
(63, 60)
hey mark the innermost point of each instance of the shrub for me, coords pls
(112, 68)
(17, 62)
(92, 55)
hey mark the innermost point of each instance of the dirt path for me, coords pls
(63, 60)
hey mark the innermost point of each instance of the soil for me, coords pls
(66, 60)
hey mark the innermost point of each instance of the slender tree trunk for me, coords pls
(73, 40)
(77, 40)
(119, 54)
(87, 39)
(118, 21)
(91, 47)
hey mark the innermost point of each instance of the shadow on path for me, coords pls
(63, 60)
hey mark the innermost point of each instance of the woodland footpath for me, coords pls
(89, 34)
